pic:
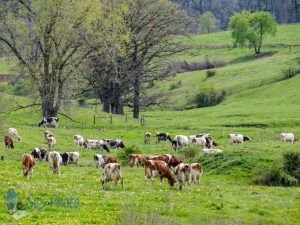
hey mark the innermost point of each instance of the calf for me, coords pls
(28, 164)
(39, 153)
(51, 142)
(136, 159)
(47, 134)
(196, 172)
(12, 132)
(171, 160)
(96, 144)
(147, 138)
(55, 160)
(163, 137)
(8, 142)
(238, 138)
(112, 172)
(287, 137)
(154, 168)
(180, 141)
(183, 174)
(114, 143)
(78, 140)
(100, 160)
(49, 122)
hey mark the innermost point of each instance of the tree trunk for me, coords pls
(136, 98)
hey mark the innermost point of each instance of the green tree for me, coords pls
(252, 28)
(207, 22)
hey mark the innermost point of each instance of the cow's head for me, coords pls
(121, 144)
(104, 146)
(246, 138)
(65, 158)
(175, 144)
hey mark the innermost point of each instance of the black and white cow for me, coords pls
(96, 144)
(70, 157)
(39, 153)
(114, 143)
(49, 122)
(163, 137)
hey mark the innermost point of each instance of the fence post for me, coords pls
(110, 118)
(94, 119)
(142, 120)
(126, 119)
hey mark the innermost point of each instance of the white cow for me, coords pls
(12, 132)
(183, 174)
(78, 140)
(55, 161)
(287, 137)
(238, 138)
(100, 160)
(51, 142)
(112, 173)
(47, 134)
(179, 141)
(196, 172)
(96, 144)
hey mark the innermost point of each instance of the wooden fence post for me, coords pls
(142, 120)
(126, 119)
(110, 118)
(94, 119)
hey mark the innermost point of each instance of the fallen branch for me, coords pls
(68, 117)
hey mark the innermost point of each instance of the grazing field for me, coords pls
(226, 194)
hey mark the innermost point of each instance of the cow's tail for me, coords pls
(55, 161)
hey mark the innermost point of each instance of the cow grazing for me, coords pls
(114, 143)
(39, 153)
(196, 172)
(183, 174)
(9, 143)
(238, 138)
(100, 160)
(136, 159)
(74, 157)
(47, 134)
(12, 132)
(55, 160)
(65, 158)
(212, 150)
(179, 141)
(96, 144)
(51, 142)
(28, 163)
(112, 172)
(287, 137)
(155, 168)
(147, 138)
(171, 160)
(78, 140)
(49, 122)
(163, 137)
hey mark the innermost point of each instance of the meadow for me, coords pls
(226, 194)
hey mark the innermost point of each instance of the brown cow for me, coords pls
(169, 159)
(154, 168)
(110, 159)
(112, 173)
(28, 164)
(196, 172)
(8, 142)
(183, 174)
(147, 138)
(136, 159)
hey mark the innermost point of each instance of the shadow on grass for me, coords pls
(241, 59)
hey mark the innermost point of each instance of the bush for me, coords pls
(274, 177)
(122, 155)
(188, 152)
(290, 72)
(210, 73)
(175, 85)
(291, 164)
(209, 97)
(21, 88)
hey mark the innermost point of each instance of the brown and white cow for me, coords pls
(171, 160)
(55, 161)
(196, 172)
(12, 132)
(68, 157)
(136, 160)
(183, 174)
(112, 172)
(51, 142)
(28, 163)
(9, 143)
(147, 138)
(47, 134)
(155, 168)
(78, 140)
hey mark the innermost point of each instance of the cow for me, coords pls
(155, 168)
(28, 163)
(179, 141)
(55, 160)
(9, 143)
(136, 160)
(238, 138)
(147, 138)
(163, 137)
(49, 122)
(65, 158)
(51, 142)
(114, 143)
(47, 134)
(68, 157)
(96, 144)
(78, 140)
(112, 172)
(39, 153)
(212, 150)
(287, 137)
(196, 172)
(183, 174)
(12, 132)
(167, 158)
(100, 160)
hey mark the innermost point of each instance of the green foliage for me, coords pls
(21, 88)
(209, 96)
(175, 85)
(122, 155)
(291, 164)
(252, 28)
(188, 152)
(207, 22)
(210, 73)
(290, 71)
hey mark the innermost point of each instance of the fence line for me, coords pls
(110, 117)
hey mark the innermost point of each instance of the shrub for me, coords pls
(210, 73)
(291, 164)
(209, 97)
(188, 152)
(274, 177)
(175, 85)
(122, 155)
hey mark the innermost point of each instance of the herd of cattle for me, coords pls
(155, 166)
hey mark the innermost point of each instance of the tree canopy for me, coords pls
(207, 22)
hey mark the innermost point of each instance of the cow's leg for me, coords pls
(145, 179)
(122, 183)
